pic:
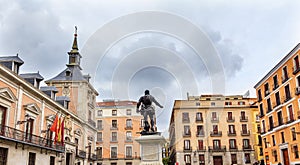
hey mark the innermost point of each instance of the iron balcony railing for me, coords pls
(231, 133)
(93, 157)
(245, 132)
(217, 148)
(187, 149)
(243, 118)
(203, 148)
(296, 69)
(19, 136)
(92, 123)
(198, 119)
(81, 154)
(247, 147)
(297, 90)
(216, 133)
(230, 119)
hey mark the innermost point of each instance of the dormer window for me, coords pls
(68, 72)
(33, 78)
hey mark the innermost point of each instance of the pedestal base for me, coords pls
(151, 149)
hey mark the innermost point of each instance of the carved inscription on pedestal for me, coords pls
(150, 152)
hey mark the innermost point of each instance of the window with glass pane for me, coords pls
(99, 124)
(187, 130)
(114, 112)
(99, 112)
(113, 152)
(232, 143)
(114, 136)
(216, 144)
(3, 155)
(128, 123)
(273, 140)
(231, 129)
(187, 159)
(200, 130)
(199, 116)
(99, 136)
(296, 153)
(215, 129)
(294, 135)
(99, 152)
(233, 159)
(214, 115)
(114, 124)
(201, 159)
(187, 145)
(128, 152)
(31, 159)
(246, 143)
(229, 115)
(128, 112)
(200, 145)
(282, 137)
(185, 117)
(129, 136)
(247, 158)
(52, 160)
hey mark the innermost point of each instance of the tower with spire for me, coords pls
(74, 88)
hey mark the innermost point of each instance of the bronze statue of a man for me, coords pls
(147, 109)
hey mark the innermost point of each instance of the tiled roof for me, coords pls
(32, 75)
(116, 103)
(76, 75)
(12, 58)
(48, 88)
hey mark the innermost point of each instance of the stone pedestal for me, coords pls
(151, 149)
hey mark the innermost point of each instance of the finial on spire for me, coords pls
(75, 47)
(75, 31)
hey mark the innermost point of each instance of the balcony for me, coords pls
(92, 123)
(259, 99)
(284, 78)
(230, 119)
(81, 154)
(233, 149)
(296, 69)
(201, 149)
(247, 147)
(271, 127)
(243, 118)
(245, 132)
(297, 90)
(267, 92)
(215, 119)
(275, 86)
(24, 138)
(187, 149)
(231, 133)
(276, 104)
(217, 148)
(185, 120)
(187, 134)
(114, 127)
(93, 157)
(287, 98)
(99, 157)
(289, 120)
(269, 109)
(200, 134)
(215, 133)
(128, 127)
(199, 120)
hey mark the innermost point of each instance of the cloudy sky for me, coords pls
(170, 47)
